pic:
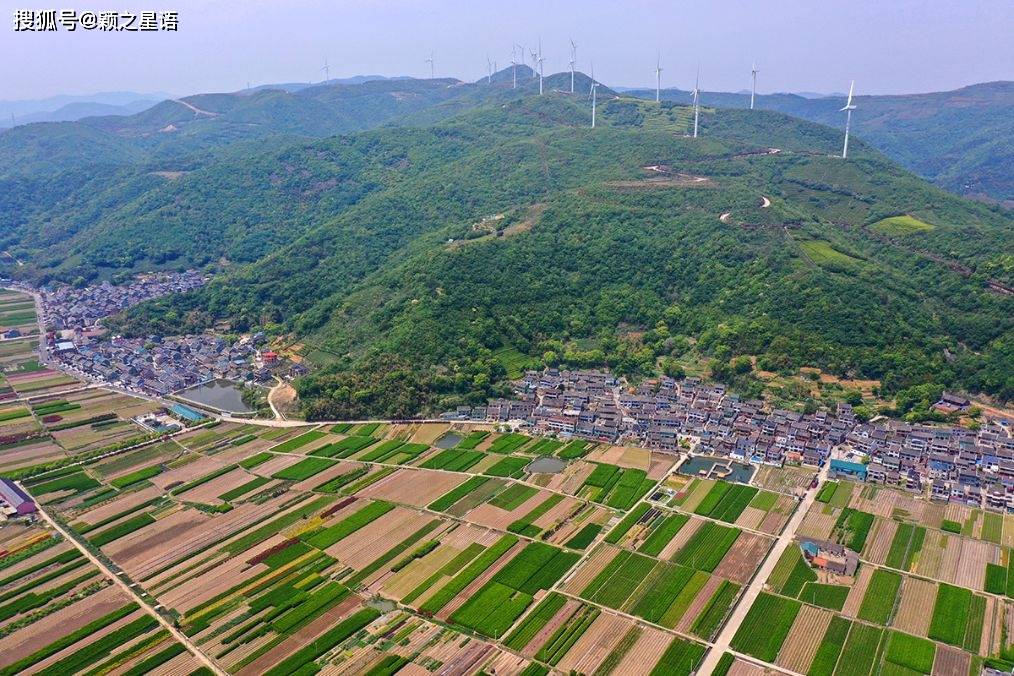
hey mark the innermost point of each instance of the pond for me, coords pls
(223, 395)
(546, 465)
(717, 468)
(449, 440)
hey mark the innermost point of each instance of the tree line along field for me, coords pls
(279, 550)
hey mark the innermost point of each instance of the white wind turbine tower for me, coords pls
(658, 77)
(592, 87)
(430, 61)
(327, 71)
(849, 107)
(753, 84)
(594, 92)
(697, 102)
(573, 62)
(535, 63)
(540, 67)
(489, 70)
(514, 66)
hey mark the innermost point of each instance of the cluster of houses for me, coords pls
(153, 365)
(70, 308)
(157, 365)
(974, 467)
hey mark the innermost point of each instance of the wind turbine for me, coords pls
(514, 66)
(327, 71)
(753, 84)
(489, 70)
(592, 87)
(573, 62)
(540, 67)
(849, 107)
(658, 77)
(594, 92)
(697, 104)
(535, 63)
(430, 61)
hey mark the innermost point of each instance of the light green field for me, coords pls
(822, 253)
(901, 225)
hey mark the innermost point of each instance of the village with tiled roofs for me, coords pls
(952, 463)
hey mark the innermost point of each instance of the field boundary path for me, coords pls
(721, 643)
(168, 626)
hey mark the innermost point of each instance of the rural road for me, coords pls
(176, 633)
(721, 643)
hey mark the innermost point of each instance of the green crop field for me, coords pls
(513, 496)
(508, 443)
(681, 658)
(950, 615)
(708, 545)
(824, 595)
(830, 647)
(626, 523)
(297, 442)
(448, 499)
(535, 621)
(665, 530)
(508, 467)
(860, 651)
(326, 537)
(545, 447)
(711, 617)
(852, 528)
(585, 536)
(897, 226)
(879, 600)
(574, 449)
(910, 652)
(304, 469)
(765, 626)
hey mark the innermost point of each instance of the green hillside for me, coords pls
(516, 230)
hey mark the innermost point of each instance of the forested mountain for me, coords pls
(514, 234)
(961, 140)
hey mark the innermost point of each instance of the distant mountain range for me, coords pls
(64, 108)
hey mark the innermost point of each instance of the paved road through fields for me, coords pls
(721, 643)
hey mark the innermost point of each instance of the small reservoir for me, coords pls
(222, 395)
(449, 440)
(546, 465)
(707, 467)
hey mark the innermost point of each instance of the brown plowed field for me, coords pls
(416, 487)
(570, 606)
(588, 570)
(645, 652)
(879, 542)
(951, 662)
(681, 538)
(23, 643)
(855, 597)
(743, 557)
(915, 608)
(804, 638)
(595, 644)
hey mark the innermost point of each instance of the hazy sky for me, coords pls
(888, 46)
